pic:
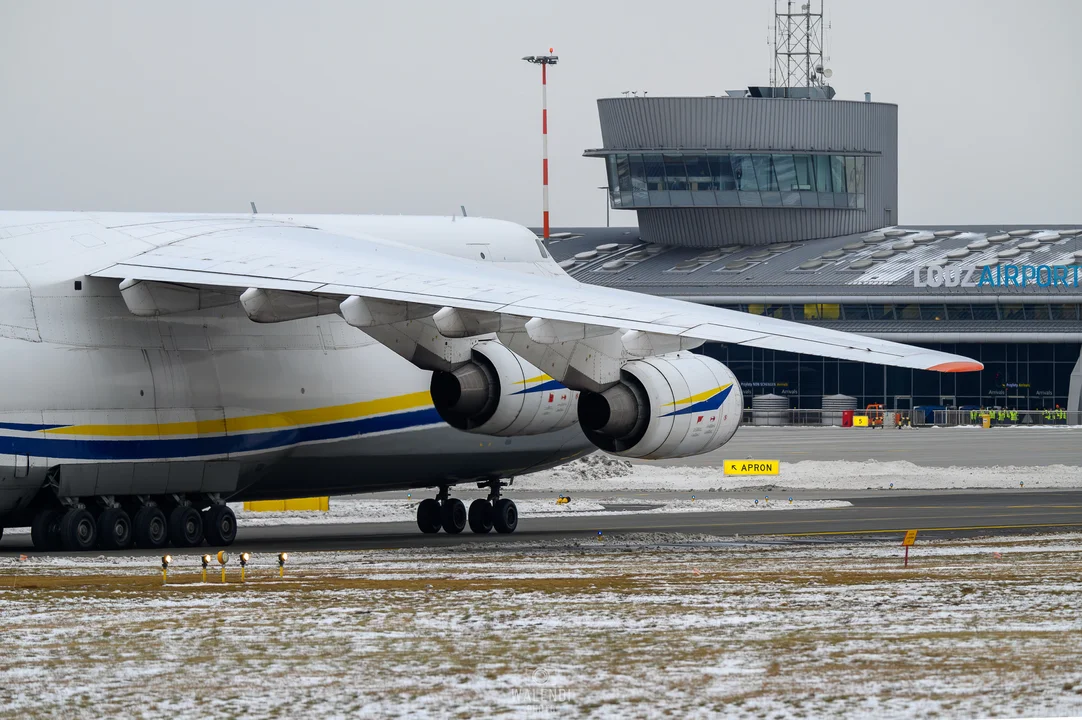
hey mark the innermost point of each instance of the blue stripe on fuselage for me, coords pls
(547, 385)
(155, 448)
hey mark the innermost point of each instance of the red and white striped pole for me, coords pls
(544, 61)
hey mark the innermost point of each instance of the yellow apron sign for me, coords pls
(860, 421)
(752, 467)
(910, 538)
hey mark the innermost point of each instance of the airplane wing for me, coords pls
(312, 261)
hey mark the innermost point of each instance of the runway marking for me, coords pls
(818, 521)
(930, 529)
(960, 507)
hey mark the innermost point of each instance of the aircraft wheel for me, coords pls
(453, 516)
(185, 526)
(481, 516)
(219, 525)
(505, 516)
(114, 529)
(428, 516)
(45, 530)
(151, 529)
(78, 530)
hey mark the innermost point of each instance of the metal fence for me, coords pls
(919, 417)
(999, 416)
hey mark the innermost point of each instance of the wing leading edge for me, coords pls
(316, 262)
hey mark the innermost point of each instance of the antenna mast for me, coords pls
(798, 45)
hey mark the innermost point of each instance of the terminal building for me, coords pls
(783, 201)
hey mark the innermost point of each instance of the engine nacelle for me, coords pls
(499, 393)
(666, 406)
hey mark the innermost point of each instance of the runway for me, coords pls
(881, 515)
(878, 515)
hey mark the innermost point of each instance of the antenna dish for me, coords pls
(827, 73)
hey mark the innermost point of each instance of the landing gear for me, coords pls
(441, 511)
(185, 526)
(429, 516)
(115, 529)
(453, 516)
(219, 525)
(505, 516)
(78, 530)
(495, 512)
(45, 530)
(151, 528)
(481, 516)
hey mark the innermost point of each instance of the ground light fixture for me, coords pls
(244, 558)
(282, 557)
(223, 558)
(166, 559)
(206, 561)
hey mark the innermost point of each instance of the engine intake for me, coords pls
(499, 393)
(666, 406)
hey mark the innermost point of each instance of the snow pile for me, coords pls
(588, 475)
(361, 509)
(595, 467)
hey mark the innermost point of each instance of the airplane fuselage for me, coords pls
(100, 402)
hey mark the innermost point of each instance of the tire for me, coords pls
(185, 527)
(78, 530)
(505, 516)
(428, 516)
(151, 530)
(219, 526)
(481, 516)
(45, 530)
(453, 516)
(115, 529)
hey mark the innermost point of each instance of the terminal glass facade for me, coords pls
(1016, 376)
(926, 312)
(640, 180)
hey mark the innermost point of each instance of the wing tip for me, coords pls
(958, 366)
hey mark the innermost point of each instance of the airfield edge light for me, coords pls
(223, 558)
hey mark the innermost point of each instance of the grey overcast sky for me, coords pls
(419, 107)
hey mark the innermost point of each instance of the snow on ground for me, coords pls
(360, 509)
(640, 627)
(599, 472)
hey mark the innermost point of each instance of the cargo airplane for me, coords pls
(157, 365)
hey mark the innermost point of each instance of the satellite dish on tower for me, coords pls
(827, 73)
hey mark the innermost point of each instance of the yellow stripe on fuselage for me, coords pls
(698, 397)
(288, 418)
(527, 381)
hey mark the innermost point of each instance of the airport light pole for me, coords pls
(544, 61)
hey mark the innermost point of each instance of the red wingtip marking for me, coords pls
(966, 366)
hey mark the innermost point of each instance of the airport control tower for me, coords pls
(780, 163)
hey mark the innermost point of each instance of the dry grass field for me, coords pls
(648, 626)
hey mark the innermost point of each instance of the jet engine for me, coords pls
(499, 393)
(666, 406)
